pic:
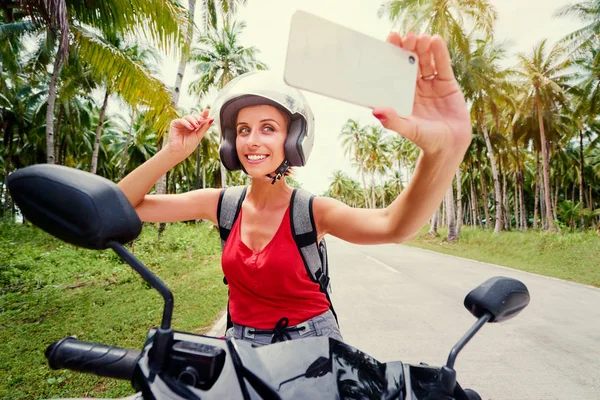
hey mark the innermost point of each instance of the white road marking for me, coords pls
(382, 264)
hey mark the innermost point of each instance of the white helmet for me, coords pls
(264, 88)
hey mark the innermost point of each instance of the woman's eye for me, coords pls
(243, 130)
(268, 128)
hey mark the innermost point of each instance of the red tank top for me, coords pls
(267, 285)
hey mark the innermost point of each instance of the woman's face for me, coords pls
(261, 132)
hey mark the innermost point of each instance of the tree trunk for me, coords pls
(497, 193)
(459, 205)
(450, 215)
(198, 156)
(545, 164)
(521, 185)
(434, 223)
(506, 208)
(57, 140)
(474, 203)
(537, 190)
(127, 143)
(516, 206)
(581, 178)
(485, 199)
(58, 13)
(8, 135)
(555, 202)
(442, 218)
(184, 57)
(50, 108)
(374, 204)
(62, 152)
(542, 205)
(366, 191)
(94, 165)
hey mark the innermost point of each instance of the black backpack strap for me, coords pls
(304, 231)
(228, 210)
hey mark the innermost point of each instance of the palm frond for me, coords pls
(127, 78)
(162, 22)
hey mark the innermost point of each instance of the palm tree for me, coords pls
(146, 58)
(352, 134)
(218, 59)
(374, 147)
(339, 186)
(446, 18)
(96, 20)
(209, 21)
(138, 144)
(544, 74)
(483, 83)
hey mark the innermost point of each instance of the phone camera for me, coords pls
(411, 60)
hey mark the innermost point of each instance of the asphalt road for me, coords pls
(401, 303)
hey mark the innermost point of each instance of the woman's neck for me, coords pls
(263, 194)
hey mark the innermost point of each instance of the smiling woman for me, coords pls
(272, 235)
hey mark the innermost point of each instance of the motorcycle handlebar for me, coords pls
(94, 358)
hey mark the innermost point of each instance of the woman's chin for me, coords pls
(256, 172)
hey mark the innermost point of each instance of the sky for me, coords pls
(523, 22)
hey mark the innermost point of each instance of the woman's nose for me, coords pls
(254, 138)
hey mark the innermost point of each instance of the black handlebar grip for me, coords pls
(92, 358)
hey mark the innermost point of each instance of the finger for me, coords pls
(394, 38)
(388, 117)
(205, 113)
(409, 42)
(441, 57)
(201, 131)
(199, 120)
(423, 49)
(192, 120)
(182, 123)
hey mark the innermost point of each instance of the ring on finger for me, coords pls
(429, 77)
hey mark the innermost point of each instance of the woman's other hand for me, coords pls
(187, 132)
(440, 121)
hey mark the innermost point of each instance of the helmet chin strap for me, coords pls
(279, 172)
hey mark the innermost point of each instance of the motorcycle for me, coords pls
(89, 211)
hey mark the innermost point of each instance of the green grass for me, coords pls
(49, 290)
(573, 256)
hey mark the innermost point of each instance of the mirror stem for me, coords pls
(149, 277)
(465, 339)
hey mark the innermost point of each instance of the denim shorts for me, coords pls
(321, 325)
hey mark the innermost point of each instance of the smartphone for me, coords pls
(332, 60)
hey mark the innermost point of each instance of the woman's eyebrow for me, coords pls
(262, 120)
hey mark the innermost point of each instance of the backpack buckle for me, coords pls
(323, 281)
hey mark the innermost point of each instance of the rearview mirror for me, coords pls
(502, 297)
(75, 206)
